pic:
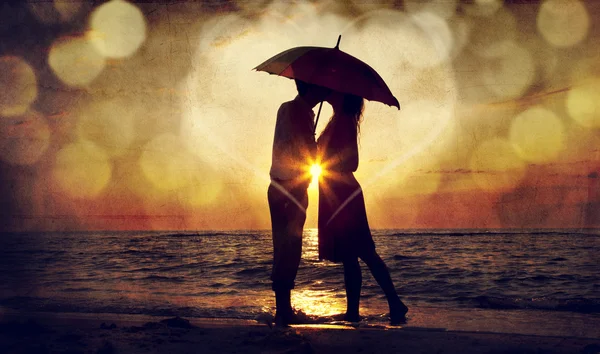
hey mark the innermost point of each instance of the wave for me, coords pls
(401, 257)
(55, 305)
(581, 305)
(176, 279)
(173, 268)
(197, 234)
(44, 304)
(78, 289)
(107, 269)
(252, 271)
(489, 232)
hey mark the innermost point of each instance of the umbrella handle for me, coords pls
(317, 121)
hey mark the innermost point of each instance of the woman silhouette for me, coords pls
(344, 233)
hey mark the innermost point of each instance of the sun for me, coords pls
(315, 171)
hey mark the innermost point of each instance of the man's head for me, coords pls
(312, 93)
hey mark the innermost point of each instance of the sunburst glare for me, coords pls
(315, 171)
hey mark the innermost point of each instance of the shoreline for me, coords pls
(50, 332)
(478, 320)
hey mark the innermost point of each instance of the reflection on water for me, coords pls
(317, 298)
(310, 244)
(318, 302)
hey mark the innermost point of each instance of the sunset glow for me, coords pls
(223, 176)
(155, 110)
(82, 170)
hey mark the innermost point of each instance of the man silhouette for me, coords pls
(294, 151)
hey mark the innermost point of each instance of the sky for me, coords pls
(118, 115)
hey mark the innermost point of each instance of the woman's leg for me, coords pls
(382, 275)
(353, 282)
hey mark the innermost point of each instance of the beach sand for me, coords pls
(109, 333)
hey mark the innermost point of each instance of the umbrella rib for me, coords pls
(284, 69)
(291, 64)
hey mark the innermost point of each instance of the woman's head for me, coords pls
(353, 105)
(346, 103)
(347, 106)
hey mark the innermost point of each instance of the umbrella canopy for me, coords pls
(331, 68)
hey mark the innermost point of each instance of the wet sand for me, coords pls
(110, 333)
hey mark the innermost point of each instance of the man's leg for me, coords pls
(287, 221)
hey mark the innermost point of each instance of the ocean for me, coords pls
(543, 274)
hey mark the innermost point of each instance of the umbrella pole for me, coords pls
(337, 46)
(317, 121)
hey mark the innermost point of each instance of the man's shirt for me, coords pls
(294, 146)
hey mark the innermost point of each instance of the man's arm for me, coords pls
(304, 133)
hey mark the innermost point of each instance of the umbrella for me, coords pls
(331, 68)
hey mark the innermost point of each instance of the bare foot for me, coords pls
(287, 318)
(352, 317)
(398, 314)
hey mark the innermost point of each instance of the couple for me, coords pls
(344, 234)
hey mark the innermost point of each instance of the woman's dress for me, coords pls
(343, 229)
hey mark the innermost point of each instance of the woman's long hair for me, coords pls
(352, 107)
